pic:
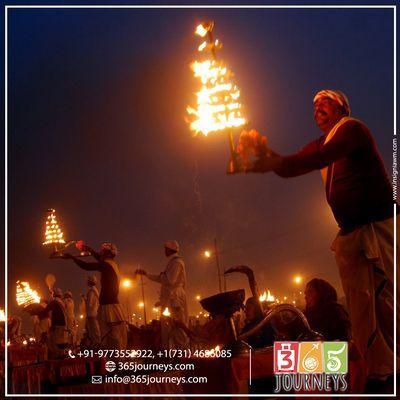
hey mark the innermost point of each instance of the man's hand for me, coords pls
(140, 272)
(266, 163)
(255, 154)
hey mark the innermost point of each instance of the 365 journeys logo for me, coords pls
(310, 366)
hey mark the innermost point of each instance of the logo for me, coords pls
(310, 358)
(310, 366)
(335, 357)
(110, 366)
(97, 379)
(285, 357)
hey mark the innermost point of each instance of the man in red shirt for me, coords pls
(361, 198)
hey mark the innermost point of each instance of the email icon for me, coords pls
(97, 379)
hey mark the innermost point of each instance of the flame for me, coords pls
(266, 297)
(166, 312)
(2, 315)
(218, 105)
(212, 352)
(53, 234)
(26, 295)
(201, 30)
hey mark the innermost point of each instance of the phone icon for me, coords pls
(71, 354)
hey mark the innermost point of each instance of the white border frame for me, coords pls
(6, 7)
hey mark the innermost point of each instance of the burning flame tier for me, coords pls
(54, 234)
(25, 295)
(218, 106)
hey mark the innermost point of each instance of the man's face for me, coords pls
(326, 112)
(311, 296)
(168, 251)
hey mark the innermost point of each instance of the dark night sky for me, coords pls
(97, 130)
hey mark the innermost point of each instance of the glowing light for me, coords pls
(202, 46)
(266, 296)
(8, 343)
(126, 283)
(81, 316)
(201, 30)
(218, 106)
(53, 233)
(24, 342)
(166, 312)
(32, 339)
(141, 304)
(25, 295)
(207, 253)
(211, 352)
(2, 315)
(284, 298)
(297, 279)
(198, 297)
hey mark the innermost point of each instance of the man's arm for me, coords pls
(314, 156)
(92, 252)
(155, 278)
(87, 266)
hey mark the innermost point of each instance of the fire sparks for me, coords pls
(218, 106)
(53, 234)
(26, 295)
(2, 315)
(166, 312)
(266, 296)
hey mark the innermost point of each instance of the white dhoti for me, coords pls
(113, 328)
(366, 265)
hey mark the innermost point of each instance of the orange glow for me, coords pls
(53, 234)
(297, 279)
(266, 296)
(126, 283)
(25, 295)
(166, 312)
(201, 30)
(218, 106)
(2, 315)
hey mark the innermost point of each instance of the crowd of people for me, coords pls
(360, 196)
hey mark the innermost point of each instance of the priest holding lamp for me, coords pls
(360, 195)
